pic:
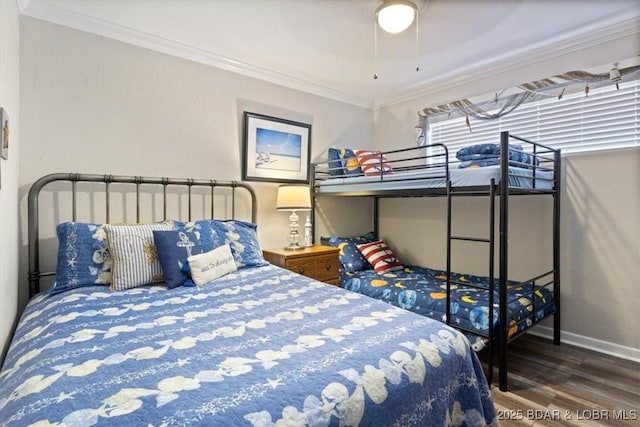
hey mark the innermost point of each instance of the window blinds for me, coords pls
(608, 118)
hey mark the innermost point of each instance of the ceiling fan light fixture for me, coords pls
(395, 16)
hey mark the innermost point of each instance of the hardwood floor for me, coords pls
(567, 386)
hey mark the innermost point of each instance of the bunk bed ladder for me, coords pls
(490, 241)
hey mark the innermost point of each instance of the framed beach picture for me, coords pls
(276, 150)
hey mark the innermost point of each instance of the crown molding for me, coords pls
(48, 11)
(527, 57)
(594, 35)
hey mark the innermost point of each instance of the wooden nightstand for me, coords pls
(318, 262)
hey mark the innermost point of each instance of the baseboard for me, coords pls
(612, 349)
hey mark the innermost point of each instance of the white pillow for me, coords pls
(210, 265)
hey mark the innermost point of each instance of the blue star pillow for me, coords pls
(242, 237)
(351, 259)
(174, 247)
(83, 257)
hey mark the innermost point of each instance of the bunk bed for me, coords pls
(530, 168)
(258, 346)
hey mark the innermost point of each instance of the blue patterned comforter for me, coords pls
(423, 290)
(258, 347)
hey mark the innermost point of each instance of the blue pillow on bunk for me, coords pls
(517, 155)
(478, 151)
(335, 164)
(480, 155)
(83, 257)
(174, 247)
(240, 235)
(343, 162)
(351, 259)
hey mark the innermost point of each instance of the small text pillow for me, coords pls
(210, 265)
(380, 257)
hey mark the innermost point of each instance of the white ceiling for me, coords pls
(327, 46)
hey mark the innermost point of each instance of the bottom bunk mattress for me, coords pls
(423, 291)
(259, 347)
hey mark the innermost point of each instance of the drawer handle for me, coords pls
(328, 267)
(301, 271)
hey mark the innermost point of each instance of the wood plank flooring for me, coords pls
(567, 386)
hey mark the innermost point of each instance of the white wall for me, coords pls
(600, 232)
(9, 100)
(95, 105)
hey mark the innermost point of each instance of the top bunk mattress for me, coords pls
(519, 178)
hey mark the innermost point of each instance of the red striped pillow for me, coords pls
(373, 162)
(380, 256)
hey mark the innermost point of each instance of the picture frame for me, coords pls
(4, 134)
(275, 149)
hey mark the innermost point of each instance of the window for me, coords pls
(608, 118)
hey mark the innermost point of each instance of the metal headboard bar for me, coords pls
(138, 199)
(34, 274)
(107, 190)
(213, 184)
(73, 200)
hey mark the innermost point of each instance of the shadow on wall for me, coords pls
(417, 230)
(599, 251)
(343, 216)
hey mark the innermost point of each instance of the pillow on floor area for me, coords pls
(380, 256)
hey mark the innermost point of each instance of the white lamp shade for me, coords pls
(395, 16)
(293, 198)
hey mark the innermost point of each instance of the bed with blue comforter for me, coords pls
(423, 290)
(259, 347)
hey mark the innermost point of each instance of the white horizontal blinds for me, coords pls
(607, 118)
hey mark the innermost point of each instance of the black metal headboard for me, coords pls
(180, 185)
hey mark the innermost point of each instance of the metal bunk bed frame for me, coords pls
(502, 190)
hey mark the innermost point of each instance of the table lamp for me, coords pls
(292, 197)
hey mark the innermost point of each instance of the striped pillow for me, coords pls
(371, 164)
(380, 256)
(134, 255)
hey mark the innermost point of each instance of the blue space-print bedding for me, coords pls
(423, 291)
(259, 347)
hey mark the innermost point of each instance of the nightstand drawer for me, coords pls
(317, 262)
(304, 266)
(327, 267)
